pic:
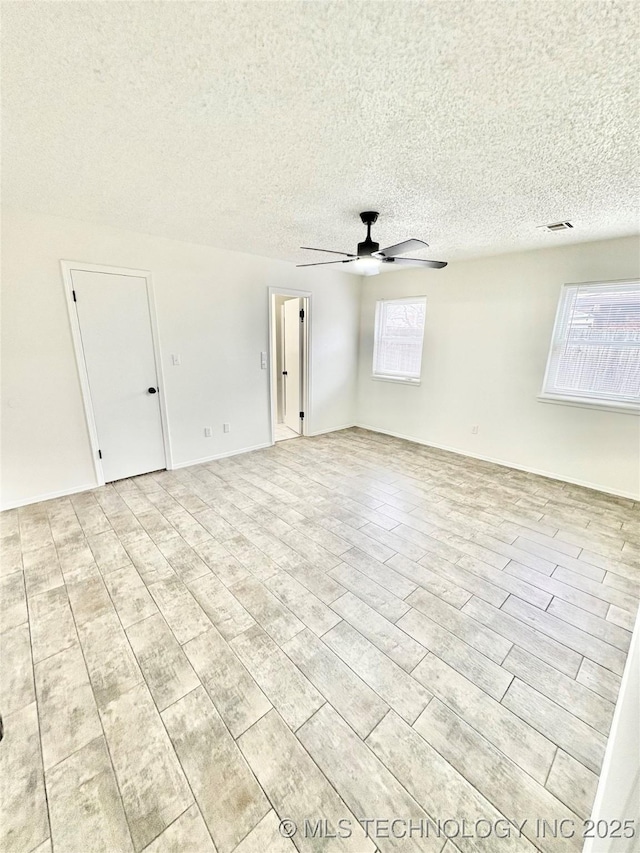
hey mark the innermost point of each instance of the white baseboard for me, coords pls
(331, 429)
(50, 496)
(595, 486)
(66, 492)
(219, 456)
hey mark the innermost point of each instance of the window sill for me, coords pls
(585, 403)
(397, 380)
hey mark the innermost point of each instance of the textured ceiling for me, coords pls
(263, 126)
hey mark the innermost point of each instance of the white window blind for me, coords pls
(399, 333)
(595, 351)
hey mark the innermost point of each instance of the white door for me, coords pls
(292, 334)
(115, 327)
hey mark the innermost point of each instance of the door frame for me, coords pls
(67, 268)
(305, 397)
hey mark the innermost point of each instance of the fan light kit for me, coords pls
(370, 258)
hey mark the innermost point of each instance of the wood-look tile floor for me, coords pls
(343, 628)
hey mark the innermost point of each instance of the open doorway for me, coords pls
(289, 323)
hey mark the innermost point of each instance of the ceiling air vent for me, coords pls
(556, 226)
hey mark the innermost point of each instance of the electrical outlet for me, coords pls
(226, 428)
(207, 432)
(474, 429)
(176, 360)
(263, 360)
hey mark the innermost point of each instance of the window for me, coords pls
(399, 332)
(595, 351)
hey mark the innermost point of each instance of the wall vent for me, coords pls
(556, 226)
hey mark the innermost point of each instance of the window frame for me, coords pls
(399, 379)
(576, 399)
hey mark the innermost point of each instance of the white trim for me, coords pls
(67, 268)
(603, 281)
(586, 403)
(397, 380)
(306, 365)
(586, 484)
(191, 462)
(332, 429)
(610, 779)
(74, 324)
(50, 496)
(403, 298)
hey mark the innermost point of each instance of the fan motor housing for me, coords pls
(368, 246)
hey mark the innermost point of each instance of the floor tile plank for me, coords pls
(356, 702)
(276, 619)
(164, 665)
(296, 787)
(570, 636)
(534, 641)
(573, 784)
(421, 574)
(131, 598)
(442, 792)
(16, 669)
(570, 694)
(366, 785)
(187, 833)
(367, 590)
(237, 697)
(512, 791)
(221, 606)
(51, 621)
(266, 836)
(25, 821)
(594, 625)
(564, 728)
(153, 787)
(524, 745)
(85, 805)
(230, 799)
(381, 573)
(390, 639)
(471, 663)
(313, 612)
(284, 684)
(492, 645)
(68, 713)
(398, 689)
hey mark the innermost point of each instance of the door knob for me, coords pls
(152, 390)
(284, 373)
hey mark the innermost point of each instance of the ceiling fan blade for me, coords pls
(401, 248)
(324, 263)
(415, 262)
(330, 251)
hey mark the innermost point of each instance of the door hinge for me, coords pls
(302, 315)
(74, 296)
(99, 454)
(301, 416)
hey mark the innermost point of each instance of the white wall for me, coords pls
(489, 324)
(212, 309)
(618, 794)
(488, 328)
